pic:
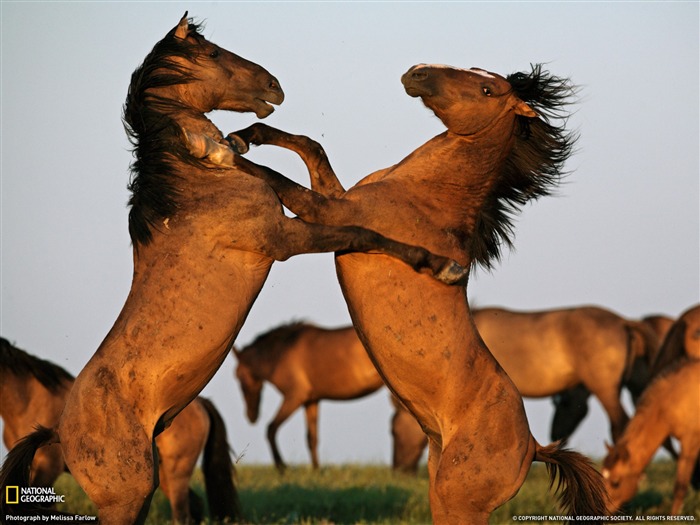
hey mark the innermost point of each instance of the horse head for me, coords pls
(466, 100)
(220, 79)
(251, 386)
(620, 478)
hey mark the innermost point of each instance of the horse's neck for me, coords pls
(263, 361)
(644, 435)
(16, 394)
(458, 173)
(195, 122)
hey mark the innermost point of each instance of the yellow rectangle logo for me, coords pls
(9, 491)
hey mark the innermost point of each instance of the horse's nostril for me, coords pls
(419, 75)
(274, 86)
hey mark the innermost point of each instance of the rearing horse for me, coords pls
(204, 240)
(455, 195)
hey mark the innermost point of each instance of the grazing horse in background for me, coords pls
(505, 144)
(34, 391)
(548, 352)
(670, 406)
(204, 240)
(306, 364)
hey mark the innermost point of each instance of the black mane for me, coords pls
(285, 334)
(534, 166)
(154, 135)
(21, 364)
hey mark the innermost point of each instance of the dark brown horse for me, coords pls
(306, 364)
(34, 391)
(204, 241)
(505, 144)
(670, 406)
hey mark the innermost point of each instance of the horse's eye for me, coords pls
(486, 91)
(214, 54)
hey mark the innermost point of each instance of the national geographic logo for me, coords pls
(15, 495)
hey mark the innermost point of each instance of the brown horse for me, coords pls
(548, 352)
(670, 406)
(34, 391)
(306, 364)
(505, 144)
(571, 406)
(204, 241)
(567, 353)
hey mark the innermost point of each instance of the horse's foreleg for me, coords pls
(323, 178)
(684, 470)
(289, 405)
(297, 237)
(311, 410)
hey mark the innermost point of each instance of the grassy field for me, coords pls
(360, 494)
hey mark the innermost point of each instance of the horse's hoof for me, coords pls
(453, 274)
(238, 145)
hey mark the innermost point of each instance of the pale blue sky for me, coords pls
(623, 233)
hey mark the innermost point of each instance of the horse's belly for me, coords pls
(417, 332)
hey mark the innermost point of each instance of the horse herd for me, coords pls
(206, 225)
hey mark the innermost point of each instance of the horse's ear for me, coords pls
(183, 28)
(608, 447)
(521, 108)
(236, 353)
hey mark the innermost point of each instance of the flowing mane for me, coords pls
(270, 340)
(154, 135)
(21, 364)
(535, 164)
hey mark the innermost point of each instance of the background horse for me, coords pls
(33, 392)
(204, 239)
(668, 407)
(564, 352)
(306, 364)
(548, 352)
(571, 406)
(504, 146)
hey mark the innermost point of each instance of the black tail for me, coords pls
(16, 472)
(218, 469)
(582, 488)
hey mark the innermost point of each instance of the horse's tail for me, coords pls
(218, 469)
(16, 470)
(580, 487)
(642, 343)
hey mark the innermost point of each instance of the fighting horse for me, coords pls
(34, 391)
(306, 364)
(505, 144)
(204, 239)
(668, 407)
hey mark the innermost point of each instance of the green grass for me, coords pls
(368, 494)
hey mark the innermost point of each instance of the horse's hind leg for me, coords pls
(113, 459)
